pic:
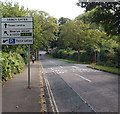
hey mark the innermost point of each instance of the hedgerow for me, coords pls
(105, 59)
(12, 63)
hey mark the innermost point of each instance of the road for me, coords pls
(77, 88)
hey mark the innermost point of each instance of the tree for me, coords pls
(106, 13)
(60, 42)
(63, 20)
(45, 28)
(81, 37)
(88, 17)
(10, 9)
(110, 53)
(73, 33)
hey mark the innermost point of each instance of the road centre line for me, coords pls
(83, 78)
(81, 97)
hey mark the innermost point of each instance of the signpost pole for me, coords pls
(0, 36)
(29, 66)
(0, 69)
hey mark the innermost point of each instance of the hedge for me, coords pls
(88, 56)
(12, 63)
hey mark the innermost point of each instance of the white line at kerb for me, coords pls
(83, 78)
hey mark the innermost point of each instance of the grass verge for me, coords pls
(105, 68)
(98, 67)
(66, 60)
(72, 61)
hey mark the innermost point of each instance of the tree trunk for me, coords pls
(98, 57)
(95, 57)
(78, 55)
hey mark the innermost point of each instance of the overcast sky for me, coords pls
(56, 8)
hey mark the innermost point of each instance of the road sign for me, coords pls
(17, 30)
(6, 25)
(17, 33)
(13, 41)
(17, 19)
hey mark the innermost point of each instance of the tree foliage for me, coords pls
(105, 13)
(45, 29)
(80, 36)
(63, 20)
(12, 63)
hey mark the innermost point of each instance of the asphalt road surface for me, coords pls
(77, 88)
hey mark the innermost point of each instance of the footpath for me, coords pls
(16, 97)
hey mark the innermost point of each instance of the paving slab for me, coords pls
(16, 97)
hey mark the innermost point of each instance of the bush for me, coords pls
(54, 53)
(12, 63)
(59, 53)
(65, 54)
(106, 58)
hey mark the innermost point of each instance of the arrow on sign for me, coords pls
(5, 32)
(5, 25)
(5, 41)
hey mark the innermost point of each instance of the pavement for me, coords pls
(16, 97)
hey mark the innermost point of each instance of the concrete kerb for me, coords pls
(50, 94)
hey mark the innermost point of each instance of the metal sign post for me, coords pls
(29, 66)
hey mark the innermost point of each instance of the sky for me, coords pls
(56, 8)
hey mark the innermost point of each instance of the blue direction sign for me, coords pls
(12, 41)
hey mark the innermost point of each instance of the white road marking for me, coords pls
(61, 67)
(85, 70)
(51, 68)
(81, 98)
(83, 77)
(75, 67)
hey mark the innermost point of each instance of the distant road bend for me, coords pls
(77, 88)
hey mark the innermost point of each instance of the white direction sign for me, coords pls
(6, 25)
(17, 30)
(17, 19)
(17, 33)
(13, 41)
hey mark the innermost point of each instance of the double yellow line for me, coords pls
(42, 96)
(42, 102)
